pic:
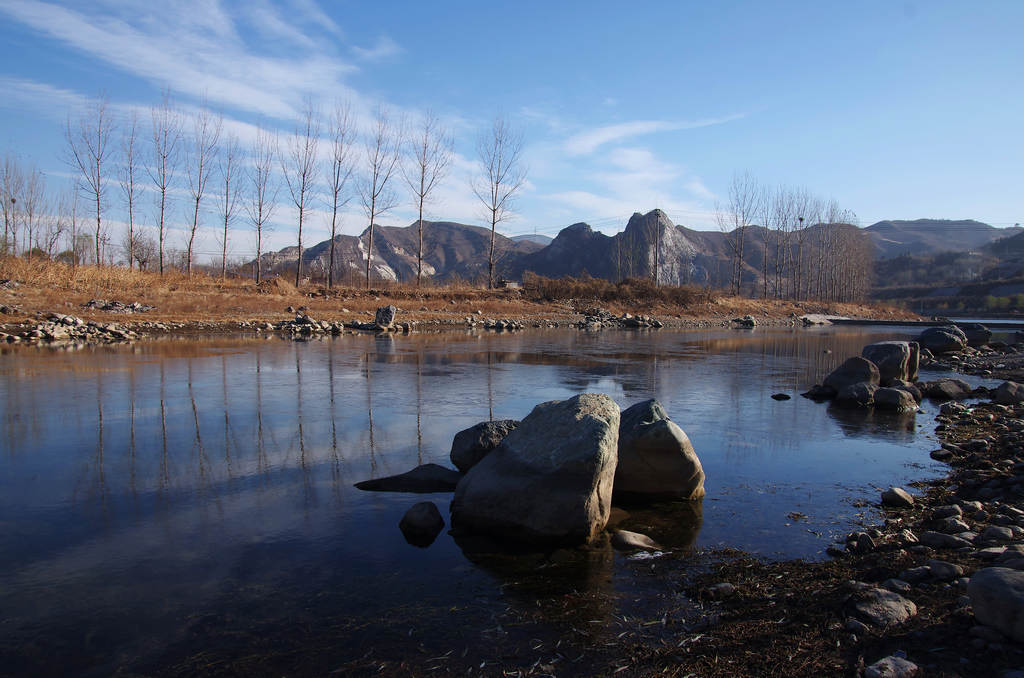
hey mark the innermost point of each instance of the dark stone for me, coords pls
(855, 370)
(422, 479)
(977, 334)
(946, 339)
(421, 524)
(780, 396)
(472, 444)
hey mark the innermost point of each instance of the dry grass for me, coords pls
(54, 286)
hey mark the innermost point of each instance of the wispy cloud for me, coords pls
(589, 141)
(384, 48)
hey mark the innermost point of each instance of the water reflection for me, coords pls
(139, 484)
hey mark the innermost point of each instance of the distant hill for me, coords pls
(537, 238)
(932, 236)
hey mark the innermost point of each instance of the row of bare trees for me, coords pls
(190, 154)
(810, 248)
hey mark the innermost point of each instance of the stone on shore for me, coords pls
(946, 339)
(422, 479)
(475, 442)
(421, 524)
(854, 371)
(385, 316)
(881, 608)
(624, 540)
(897, 497)
(892, 667)
(997, 598)
(656, 459)
(947, 389)
(550, 480)
(1008, 393)
(976, 334)
(894, 359)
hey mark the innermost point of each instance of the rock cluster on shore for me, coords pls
(61, 330)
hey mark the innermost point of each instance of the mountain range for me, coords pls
(648, 241)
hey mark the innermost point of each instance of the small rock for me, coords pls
(624, 540)
(944, 571)
(421, 524)
(780, 396)
(892, 667)
(897, 497)
(882, 608)
(720, 590)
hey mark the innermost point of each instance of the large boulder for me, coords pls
(550, 479)
(385, 317)
(1008, 393)
(422, 479)
(474, 443)
(854, 371)
(976, 334)
(894, 359)
(997, 598)
(656, 458)
(945, 339)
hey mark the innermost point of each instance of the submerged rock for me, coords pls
(655, 457)
(421, 524)
(550, 480)
(422, 479)
(624, 540)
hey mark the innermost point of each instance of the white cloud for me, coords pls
(384, 48)
(589, 141)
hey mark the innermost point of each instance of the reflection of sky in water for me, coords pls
(230, 463)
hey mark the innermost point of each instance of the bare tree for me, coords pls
(205, 136)
(127, 175)
(745, 198)
(383, 146)
(500, 154)
(228, 197)
(12, 181)
(263, 191)
(33, 208)
(89, 150)
(430, 153)
(167, 126)
(299, 167)
(340, 172)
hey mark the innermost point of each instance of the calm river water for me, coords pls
(176, 506)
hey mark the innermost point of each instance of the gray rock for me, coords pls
(550, 479)
(1008, 393)
(952, 525)
(976, 334)
(656, 458)
(897, 497)
(474, 443)
(896, 586)
(951, 511)
(385, 316)
(947, 389)
(721, 590)
(997, 598)
(909, 387)
(857, 395)
(895, 399)
(425, 478)
(881, 608)
(944, 571)
(942, 339)
(892, 667)
(938, 540)
(624, 540)
(893, 360)
(996, 533)
(421, 524)
(854, 371)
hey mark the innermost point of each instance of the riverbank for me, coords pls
(150, 303)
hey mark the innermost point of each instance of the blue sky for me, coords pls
(898, 110)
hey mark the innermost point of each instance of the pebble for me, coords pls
(892, 667)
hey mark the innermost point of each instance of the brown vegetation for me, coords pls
(45, 285)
